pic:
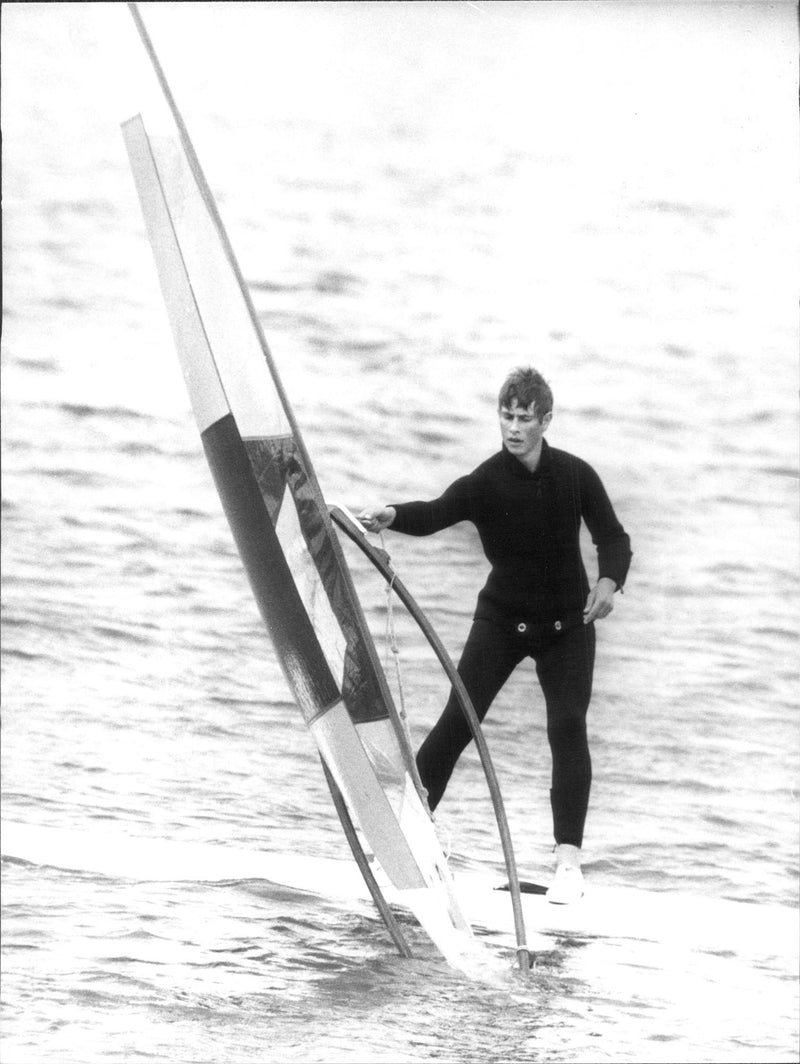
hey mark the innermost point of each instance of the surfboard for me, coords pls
(610, 912)
(285, 538)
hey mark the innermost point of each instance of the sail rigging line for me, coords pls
(393, 647)
(382, 562)
(391, 640)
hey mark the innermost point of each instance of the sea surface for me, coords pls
(421, 196)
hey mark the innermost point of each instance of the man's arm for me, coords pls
(609, 537)
(457, 503)
(612, 542)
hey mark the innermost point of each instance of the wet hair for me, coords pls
(525, 386)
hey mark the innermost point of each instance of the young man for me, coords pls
(527, 503)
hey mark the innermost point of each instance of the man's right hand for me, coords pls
(377, 518)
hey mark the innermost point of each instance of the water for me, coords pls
(421, 196)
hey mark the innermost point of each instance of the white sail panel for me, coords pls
(237, 351)
(197, 362)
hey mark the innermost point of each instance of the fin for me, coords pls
(526, 888)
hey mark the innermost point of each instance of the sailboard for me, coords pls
(286, 540)
(605, 912)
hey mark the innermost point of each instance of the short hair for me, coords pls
(527, 387)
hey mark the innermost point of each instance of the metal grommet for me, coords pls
(522, 628)
(557, 626)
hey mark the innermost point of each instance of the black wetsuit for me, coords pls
(531, 606)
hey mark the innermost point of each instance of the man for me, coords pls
(527, 503)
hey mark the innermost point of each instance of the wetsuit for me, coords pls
(531, 606)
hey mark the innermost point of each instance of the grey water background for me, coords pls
(421, 196)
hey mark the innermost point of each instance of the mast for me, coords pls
(269, 492)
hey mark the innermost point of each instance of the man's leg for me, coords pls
(565, 669)
(489, 657)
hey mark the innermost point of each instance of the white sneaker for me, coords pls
(567, 885)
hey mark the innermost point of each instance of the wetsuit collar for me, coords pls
(517, 468)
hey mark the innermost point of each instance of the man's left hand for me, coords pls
(600, 601)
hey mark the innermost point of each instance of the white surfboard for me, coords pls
(681, 920)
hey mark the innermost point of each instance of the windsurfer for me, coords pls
(527, 502)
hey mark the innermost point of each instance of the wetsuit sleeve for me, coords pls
(424, 518)
(609, 537)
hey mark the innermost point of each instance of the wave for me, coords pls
(85, 410)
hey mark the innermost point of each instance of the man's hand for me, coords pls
(377, 518)
(600, 601)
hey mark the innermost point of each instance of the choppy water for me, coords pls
(421, 196)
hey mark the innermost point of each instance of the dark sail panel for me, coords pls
(278, 465)
(284, 614)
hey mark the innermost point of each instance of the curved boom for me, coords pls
(380, 559)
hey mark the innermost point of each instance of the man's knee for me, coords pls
(567, 728)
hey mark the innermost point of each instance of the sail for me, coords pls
(284, 535)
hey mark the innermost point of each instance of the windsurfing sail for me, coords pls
(283, 531)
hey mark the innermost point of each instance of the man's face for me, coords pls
(521, 430)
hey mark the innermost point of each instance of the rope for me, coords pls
(391, 643)
(394, 649)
